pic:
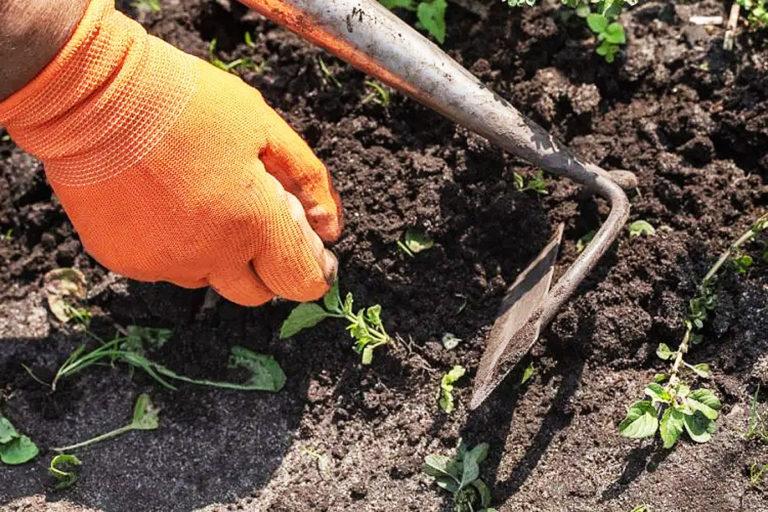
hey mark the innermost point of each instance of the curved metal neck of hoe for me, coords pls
(371, 38)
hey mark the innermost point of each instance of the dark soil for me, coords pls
(688, 118)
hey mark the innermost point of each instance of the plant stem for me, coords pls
(97, 439)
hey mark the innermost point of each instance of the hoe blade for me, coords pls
(519, 321)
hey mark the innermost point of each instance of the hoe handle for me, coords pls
(371, 38)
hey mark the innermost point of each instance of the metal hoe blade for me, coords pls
(517, 327)
(371, 38)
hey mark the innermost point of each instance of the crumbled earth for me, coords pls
(688, 118)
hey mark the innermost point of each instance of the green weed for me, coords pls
(671, 397)
(15, 448)
(63, 469)
(415, 241)
(241, 64)
(445, 396)
(536, 183)
(378, 94)
(430, 13)
(757, 425)
(757, 472)
(460, 475)
(365, 326)
(757, 12)
(641, 228)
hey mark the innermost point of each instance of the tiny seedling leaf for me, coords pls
(702, 370)
(597, 23)
(7, 431)
(450, 341)
(62, 468)
(145, 414)
(302, 317)
(641, 420)
(664, 352)
(266, 373)
(447, 382)
(417, 241)
(641, 228)
(527, 373)
(19, 450)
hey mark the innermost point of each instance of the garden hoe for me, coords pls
(371, 38)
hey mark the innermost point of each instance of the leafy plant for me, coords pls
(147, 5)
(15, 448)
(610, 34)
(131, 349)
(63, 469)
(445, 396)
(145, 417)
(431, 14)
(682, 409)
(415, 241)
(365, 326)
(757, 12)
(536, 183)
(460, 475)
(641, 228)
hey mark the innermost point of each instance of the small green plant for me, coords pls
(757, 425)
(757, 12)
(145, 417)
(528, 373)
(365, 326)
(609, 33)
(431, 14)
(7, 236)
(536, 183)
(328, 75)
(131, 349)
(582, 242)
(415, 241)
(147, 5)
(378, 94)
(15, 448)
(63, 468)
(641, 228)
(450, 341)
(241, 64)
(445, 396)
(682, 409)
(757, 472)
(741, 263)
(460, 475)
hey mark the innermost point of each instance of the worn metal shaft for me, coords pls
(371, 38)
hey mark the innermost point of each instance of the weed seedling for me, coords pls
(460, 475)
(15, 448)
(415, 241)
(378, 94)
(243, 63)
(445, 395)
(328, 76)
(431, 14)
(131, 349)
(757, 425)
(757, 12)
(757, 472)
(610, 35)
(64, 469)
(145, 417)
(582, 242)
(641, 228)
(527, 373)
(536, 183)
(365, 326)
(671, 397)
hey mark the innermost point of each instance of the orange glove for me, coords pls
(171, 169)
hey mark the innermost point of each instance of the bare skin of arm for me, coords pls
(31, 34)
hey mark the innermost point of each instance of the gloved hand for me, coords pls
(171, 169)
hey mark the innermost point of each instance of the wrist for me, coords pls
(31, 34)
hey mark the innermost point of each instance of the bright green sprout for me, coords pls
(248, 40)
(610, 35)
(365, 326)
(445, 396)
(757, 12)
(460, 475)
(527, 373)
(641, 228)
(15, 448)
(430, 13)
(415, 241)
(147, 5)
(7, 236)
(328, 76)
(379, 94)
(241, 64)
(582, 242)
(536, 183)
(757, 472)
(680, 408)
(741, 263)
(64, 469)
(131, 349)
(145, 417)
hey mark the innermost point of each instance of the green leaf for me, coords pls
(597, 23)
(582, 242)
(432, 17)
(614, 34)
(266, 373)
(640, 227)
(332, 299)
(302, 317)
(401, 4)
(640, 422)
(527, 373)
(367, 356)
(479, 453)
(701, 369)
(660, 377)
(671, 426)
(20, 450)
(704, 401)
(62, 469)
(483, 491)
(417, 241)
(145, 414)
(373, 315)
(7, 432)
(442, 467)
(698, 427)
(664, 352)
(446, 401)
(658, 393)
(450, 341)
